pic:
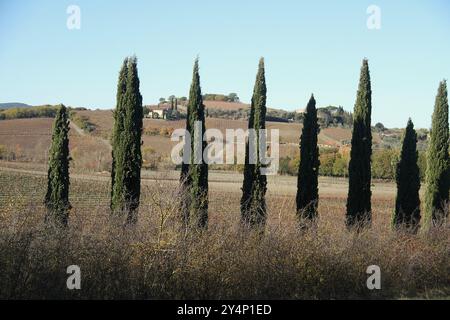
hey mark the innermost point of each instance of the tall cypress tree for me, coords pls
(359, 193)
(307, 183)
(438, 163)
(117, 131)
(194, 175)
(57, 196)
(127, 146)
(253, 203)
(407, 202)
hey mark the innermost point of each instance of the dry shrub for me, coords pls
(156, 260)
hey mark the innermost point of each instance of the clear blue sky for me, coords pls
(309, 47)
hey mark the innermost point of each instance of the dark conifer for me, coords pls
(194, 175)
(407, 202)
(57, 196)
(359, 193)
(118, 115)
(307, 183)
(253, 203)
(127, 145)
(438, 163)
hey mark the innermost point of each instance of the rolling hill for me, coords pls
(9, 105)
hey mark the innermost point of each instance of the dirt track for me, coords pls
(81, 132)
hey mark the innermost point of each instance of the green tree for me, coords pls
(340, 166)
(407, 202)
(307, 184)
(359, 193)
(379, 127)
(327, 159)
(253, 203)
(438, 171)
(384, 163)
(57, 196)
(118, 116)
(233, 97)
(127, 156)
(422, 164)
(194, 175)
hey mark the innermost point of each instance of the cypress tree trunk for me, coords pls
(127, 146)
(359, 193)
(307, 183)
(407, 202)
(253, 203)
(194, 175)
(438, 164)
(57, 196)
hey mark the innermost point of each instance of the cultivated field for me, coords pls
(225, 105)
(29, 139)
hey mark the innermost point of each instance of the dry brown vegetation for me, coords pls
(155, 260)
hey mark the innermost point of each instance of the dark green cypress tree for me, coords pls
(127, 148)
(253, 203)
(57, 196)
(307, 183)
(407, 202)
(194, 175)
(438, 163)
(359, 193)
(118, 115)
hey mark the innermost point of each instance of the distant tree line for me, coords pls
(334, 163)
(231, 97)
(334, 116)
(172, 97)
(327, 117)
(46, 111)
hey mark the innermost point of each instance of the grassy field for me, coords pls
(154, 260)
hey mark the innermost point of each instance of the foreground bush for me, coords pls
(153, 260)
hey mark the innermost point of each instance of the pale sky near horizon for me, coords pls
(309, 47)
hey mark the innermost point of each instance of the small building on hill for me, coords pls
(157, 114)
(164, 111)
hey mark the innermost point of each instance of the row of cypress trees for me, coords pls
(127, 160)
(407, 202)
(126, 153)
(194, 176)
